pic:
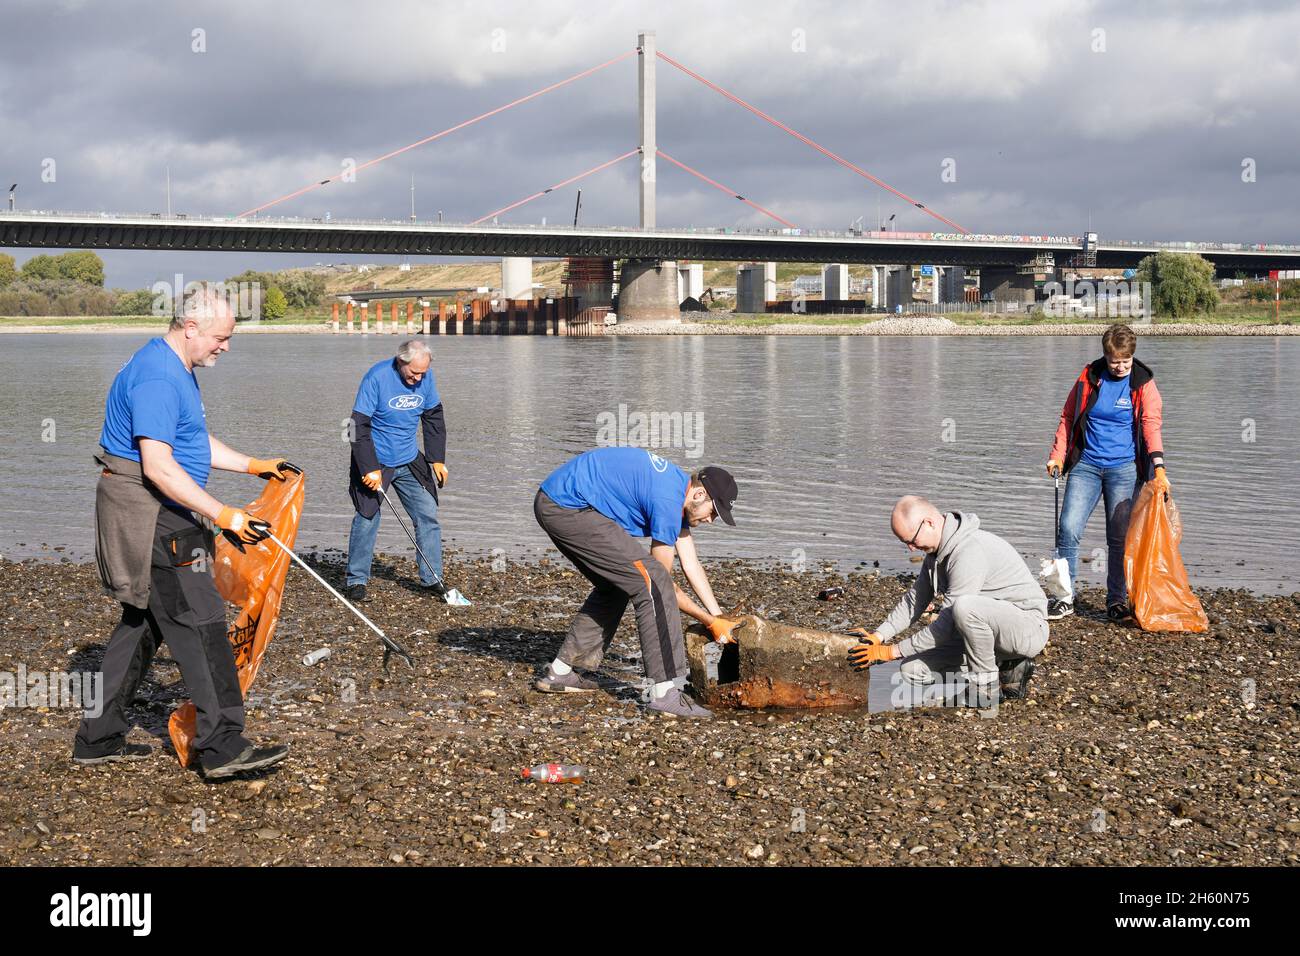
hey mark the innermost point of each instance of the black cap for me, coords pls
(721, 488)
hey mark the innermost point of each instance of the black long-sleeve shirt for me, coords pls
(364, 459)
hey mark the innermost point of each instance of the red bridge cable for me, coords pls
(725, 189)
(430, 139)
(804, 139)
(572, 179)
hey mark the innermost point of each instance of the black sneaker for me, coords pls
(1118, 613)
(128, 752)
(1014, 676)
(1057, 609)
(437, 589)
(251, 758)
(356, 593)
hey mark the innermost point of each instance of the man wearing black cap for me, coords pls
(593, 508)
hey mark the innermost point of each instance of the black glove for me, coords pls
(267, 468)
(241, 528)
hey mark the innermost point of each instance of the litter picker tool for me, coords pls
(450, 595)
(1055, 573)
(1056, 525)
(391, 647)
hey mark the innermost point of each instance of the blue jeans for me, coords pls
(419, 504)
(1084, 486)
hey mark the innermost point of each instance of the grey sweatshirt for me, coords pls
(968, 561)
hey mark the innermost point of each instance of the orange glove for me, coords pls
(272, 468)
(862, 656)
(868, 637)
(440, 472)
(1161, 481)
(241, 528)
(1053, 468)
(374, 480)
(723, 629)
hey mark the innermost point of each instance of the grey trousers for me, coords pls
(622, 570)
(185, 610)
(972, 635)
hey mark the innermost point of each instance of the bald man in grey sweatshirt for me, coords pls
(994, 613)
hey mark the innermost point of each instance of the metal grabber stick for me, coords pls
(1056, 525)
(436, 577)
(391, 647)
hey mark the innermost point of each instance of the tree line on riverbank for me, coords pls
(73, 284)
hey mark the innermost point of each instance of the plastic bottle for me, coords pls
(555, 773)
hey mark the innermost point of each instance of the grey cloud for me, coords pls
(1147, 137)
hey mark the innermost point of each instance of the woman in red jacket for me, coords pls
(1108, 442)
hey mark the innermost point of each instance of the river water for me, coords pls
(823, 433)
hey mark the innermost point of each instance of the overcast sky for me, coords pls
(1138, 116)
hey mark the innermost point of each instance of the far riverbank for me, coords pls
(739, 325)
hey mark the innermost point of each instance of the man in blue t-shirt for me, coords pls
(594, 508)
(397, 397)
(153, 554)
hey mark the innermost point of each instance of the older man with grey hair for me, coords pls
(155, 557)
(396, 398)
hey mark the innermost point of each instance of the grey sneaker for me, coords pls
(679, 705)
(128, 752)
(250, 758)
(571, 683)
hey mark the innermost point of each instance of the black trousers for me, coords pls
(187, 612)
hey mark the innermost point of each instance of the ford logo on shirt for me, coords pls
(404, 403)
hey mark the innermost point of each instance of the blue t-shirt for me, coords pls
(642, 492)
(156, 396)
(395, 409)
(1110, 425)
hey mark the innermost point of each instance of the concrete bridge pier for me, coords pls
(516, 277)
(648, 293)
(755, 287)
(835, 282)
(899, 286)
(690, 281)
(880, 287)
(953, 284)
(1006, 284)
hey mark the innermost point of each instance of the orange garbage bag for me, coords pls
(1157, 581)
(253, 581)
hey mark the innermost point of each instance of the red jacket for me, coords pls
(1072, 432)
